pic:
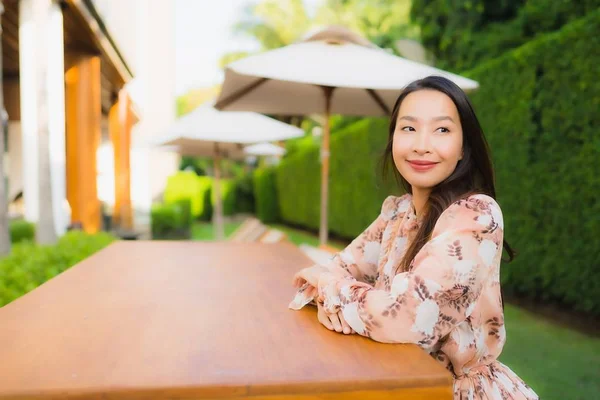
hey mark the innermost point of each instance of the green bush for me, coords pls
(205, 195)
(228, 191)
(29, 265)
(244, 194)
(171, 221)
(188, 185)
(539, 107)
(356, 190)
(21, 230)
(464, 34)
(265, 192)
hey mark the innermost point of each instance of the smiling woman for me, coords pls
(427, 270)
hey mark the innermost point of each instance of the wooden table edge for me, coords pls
(323, 390)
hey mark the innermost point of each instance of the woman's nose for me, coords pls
(421, 143)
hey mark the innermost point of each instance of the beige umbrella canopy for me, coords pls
(332, 71)
(207, 132)
(264, 149)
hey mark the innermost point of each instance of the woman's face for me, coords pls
(428, 139)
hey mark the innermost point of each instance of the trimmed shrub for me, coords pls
(188, 185)
(30, 265)
(265, 192)
(205, 195)
(21, 230)
(244, 194)
(171, 221)
(539, 108)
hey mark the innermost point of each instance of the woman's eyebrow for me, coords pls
(443, 118)
(408, 118)
(440, 118)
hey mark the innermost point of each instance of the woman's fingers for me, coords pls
(298, 280)
(323, 318)
(335, 321)
(345, 327)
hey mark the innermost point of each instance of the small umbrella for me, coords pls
(210, 133)
(264, 149)
(331, 71)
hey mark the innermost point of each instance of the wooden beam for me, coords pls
(83, 117)
(95, 27)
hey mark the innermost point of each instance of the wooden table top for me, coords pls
(142, 320)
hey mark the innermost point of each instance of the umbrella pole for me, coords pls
(323, 229)
(218, 215)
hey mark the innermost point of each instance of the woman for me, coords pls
(426, 271)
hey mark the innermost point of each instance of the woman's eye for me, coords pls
(408, 129)
(443, 130)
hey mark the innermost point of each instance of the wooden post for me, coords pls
(323, 228)
(120, 123)
(218, 214)
(83, 138)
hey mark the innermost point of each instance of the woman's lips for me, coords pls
(421, 166)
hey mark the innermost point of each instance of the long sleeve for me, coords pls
(441, 288)
(359, 260)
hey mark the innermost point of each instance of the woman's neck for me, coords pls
(419, 198)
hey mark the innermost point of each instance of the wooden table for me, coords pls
(149, 320)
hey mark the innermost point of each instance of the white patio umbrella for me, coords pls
(332, 71)
(210, 133)
(264, 149)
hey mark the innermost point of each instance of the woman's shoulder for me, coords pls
(474, 211)
(478, 203)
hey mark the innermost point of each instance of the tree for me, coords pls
(383, 22)
(273, 23)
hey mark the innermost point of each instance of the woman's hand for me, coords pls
(309, 275)
(333, 322)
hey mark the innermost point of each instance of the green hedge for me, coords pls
(539, 106)
(188, 185)
(228, 196)
(356, 190)
(265, 192)
(171, 221)
(21, 230)
(30, 265)
(244, 194)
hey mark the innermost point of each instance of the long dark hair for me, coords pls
(473, 174)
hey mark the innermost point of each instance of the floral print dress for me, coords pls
(448, 302)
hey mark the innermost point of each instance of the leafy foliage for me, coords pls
(30, 265)
(21, 230)
(265, 193)
(464, 33)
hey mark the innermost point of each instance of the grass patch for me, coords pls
(205, 230)
(557, 362)
(298, 237)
